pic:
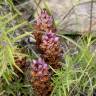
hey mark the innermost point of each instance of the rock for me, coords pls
(72, 15)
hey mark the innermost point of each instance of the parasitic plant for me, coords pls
(51, 49)
(41, 77)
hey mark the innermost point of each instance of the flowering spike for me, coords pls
(51, 48)
(39, 68)
(44, 20)
(41, 77)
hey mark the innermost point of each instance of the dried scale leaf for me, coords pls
(40, 77)
(38, 38)
(20, 62)
(42, 88)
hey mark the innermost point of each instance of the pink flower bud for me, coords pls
(40, 61)
(45, 38)
(34, 61)
(40, 73)
(45, 66)
(56, 39)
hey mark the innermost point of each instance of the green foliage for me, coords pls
(16, 88)
(7, 47)
(78, 75)
(9, 85)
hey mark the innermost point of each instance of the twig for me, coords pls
(38, 5)
(91, 11)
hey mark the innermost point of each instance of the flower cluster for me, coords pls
(40, 70)
(48, 44)
(44, 21)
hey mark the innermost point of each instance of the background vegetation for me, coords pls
(77, 77)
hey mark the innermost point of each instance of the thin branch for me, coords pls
(91, 13)
(37, 4)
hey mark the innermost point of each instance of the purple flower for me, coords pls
(50, 37)
(45, 18)
(39, 67)
(56, 39)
